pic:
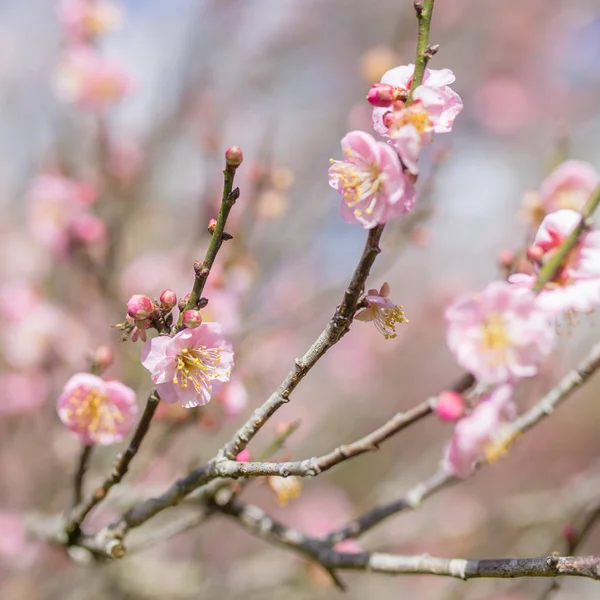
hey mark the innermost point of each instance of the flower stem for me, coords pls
(549, 270)
(424, 10)
(230, 195)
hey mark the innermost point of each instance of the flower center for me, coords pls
(358, 182)
(416, 116)
(494, 337)
(198, 366)
(91, 411)
(386, 319)
(570, 198)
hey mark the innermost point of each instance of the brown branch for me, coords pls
(256, 521)
(84, 458)
(78, 514)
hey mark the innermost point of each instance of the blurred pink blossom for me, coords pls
(97, 411)
(499, 334)
(474, 432)
(22, 391)
(42, 334)
(234, 397)
(16, 550)
(83, 20)
(380, 310)
(576, 285)
(89, 80)
(371, 181)
(569, 186)
(59, 210)
(450, 405)
(189, 367)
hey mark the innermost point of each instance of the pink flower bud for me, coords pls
(506, 258)
(569, 534)
(168, 299)
(234, 156)
(103, 357)
(139, 307)
(191, 318)
(389, 119)
(211, 225)
(450, 406)
(243, 456)
(381, 94)
(535, 253)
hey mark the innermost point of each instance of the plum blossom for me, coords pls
(569, 186)
(59, 213)
(234, 397)
(83, 20)
(97, 411)
(433, 109)
(285, 488)
(499, 334)
(89, 80)
(475, 433)
(371, 181)
(382, 312)
(189, 367)
(576, 284)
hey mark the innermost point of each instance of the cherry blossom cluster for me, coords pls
(84, 76)
(503, 333)
(376, 178)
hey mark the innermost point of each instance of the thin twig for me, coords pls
(84, 457)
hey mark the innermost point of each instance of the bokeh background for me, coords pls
(285, 80)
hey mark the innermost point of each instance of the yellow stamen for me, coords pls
(91, 410)
(197, 366)
(494, 338)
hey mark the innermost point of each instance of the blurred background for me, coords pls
(284, 80)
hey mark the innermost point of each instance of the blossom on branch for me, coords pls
(382, 312)
(97, 411)
(189, 367)
(371, 181)
(569, 186)
(499, 334)
(475, 433)
(576, 283)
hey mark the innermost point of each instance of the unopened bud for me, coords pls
(212, 224)
(183, 302)
(191, 318)
(535, 253)
(569, 533)
(168, 299)
(243, 456)
(234, 156)
(506, 258)
(103, 358)
(139, 307)
(450, 406)
(389, 119)
(381, 94)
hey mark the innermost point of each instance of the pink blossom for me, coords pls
(382, 312)
(243, 456)
(371, 181)
(58, 211)
(22, 391)
(474, 433)
(441, 103)
(168, 299)
(89, 80)
(576, 285)
(191, 318)
(570, 185)
(97, 411)
(16, 550)
(189, 367)
(82, 20)
(500, 334)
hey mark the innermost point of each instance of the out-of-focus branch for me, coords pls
(262, 525)
(546, 405)
(424, 10)
(84, 457)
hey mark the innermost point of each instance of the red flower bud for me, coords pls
(168, 299)
(191, 318)
(450, 406)
(234, 156)
(139, 307)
